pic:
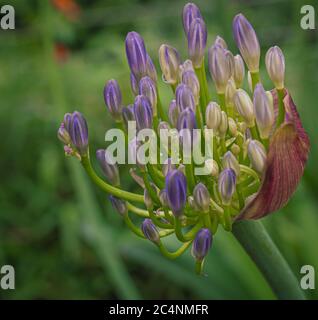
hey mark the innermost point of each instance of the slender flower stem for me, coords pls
(257, 243)
(125, 195)
(204, 92)
(176, 254)
(161, 112)
(222, 103)
(255, 79)
(138, 211)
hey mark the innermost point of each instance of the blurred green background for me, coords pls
(56, 228)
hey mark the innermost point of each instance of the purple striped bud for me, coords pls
(176, 187)
(134, 84)
(169, 60)
(264, 111)
(226, 185)
(223, 125)
(67, 121)
(143, 112)
(257, 155)
(184, 97)
(186, 120)
(173, 113)
(201, 197)
(229, 161)
(79, 132)
(151, 70)
(190, 12)
(184, 67)
(197, 38)
(136, 54)
(275, 65)
(148, 89)
(221, 65)
(109, 168)
(113, 99)
(244, 106)
(202, 244)
(63, 134)
(213, 116)
(128, 114)
(119, 205)
(163, 197)
(219, 41)
(239, 70)
(150, 231)
(247, 42)
(190, 79)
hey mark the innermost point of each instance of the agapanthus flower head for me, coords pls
(253, 158)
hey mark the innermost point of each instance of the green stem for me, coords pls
(255, 79)
(257, 243)
(176, 254)
(161, 112)
(204, 91)
(281, 107)
(222, 103)
(125, 195)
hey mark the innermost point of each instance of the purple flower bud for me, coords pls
(63, 134)
(79, 132)
(247, 42)
(109, 168)
(119, 205)
(264, 111)
(143, 112)
(134, 84)
(275, 65)
(221, 65)
(136, 54)
(227, 185)
(257, 155)
(213, 116)
(173, 113)
(190, 12)
(176, 187)
(219, 41)
(186, 120)
(184, 97)
(151, 70)
(244, 106)
(201, 197)
(150, 231)
(169, 60)
(148, 89)
(113, 99)
(229, 161)
(190, 79)
(197, 38)
(202, 244)
(239, 70)
(163, 197)
(128, 114)
(67, 121)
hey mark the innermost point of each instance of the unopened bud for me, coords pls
(213, 116)
(212, 167)
(230, 161)
(190, 79)
(257, 155)
(223, 125)
(63, 134)
(227, 185)
(173, 113)
(109, 168)
(232, 127)
(150, 231)
(239, 70)
(202, 244)
(244, 106)
(275, 65)
(169, 60)
(201, 197)
(119, 205)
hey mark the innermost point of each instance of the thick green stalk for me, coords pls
(257, 243)
(281, 108)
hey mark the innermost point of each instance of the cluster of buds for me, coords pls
(258, 146)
